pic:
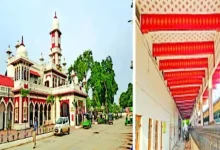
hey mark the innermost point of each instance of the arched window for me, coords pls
(16, 112)
(22, 73)
(25, 74)
(25, 111)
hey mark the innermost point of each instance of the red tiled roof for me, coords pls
(6, 81)
(34, 73)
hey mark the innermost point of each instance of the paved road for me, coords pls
(107, 137)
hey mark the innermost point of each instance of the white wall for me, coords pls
(152, 98)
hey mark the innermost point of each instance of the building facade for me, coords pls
(41, 80)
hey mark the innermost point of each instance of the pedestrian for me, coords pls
(34, 132)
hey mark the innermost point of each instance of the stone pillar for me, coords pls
(211, 118)
(38, 118)
(201, 111)
(47, 116)
(85, 106)
(43, 116)
(5, 126)
(12, 120)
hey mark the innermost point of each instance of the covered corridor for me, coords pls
(177, 71)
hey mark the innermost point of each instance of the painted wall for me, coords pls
(152, 99)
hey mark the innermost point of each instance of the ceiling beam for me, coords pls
(170, 22)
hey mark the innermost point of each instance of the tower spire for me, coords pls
(55, 15)
(22, 41)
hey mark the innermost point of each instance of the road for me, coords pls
(99, 137)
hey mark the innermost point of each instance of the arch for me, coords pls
(36, 109)
(45, 112)
(9, 114)
(41, 114)
(47, 83)
(2, 115)
(10, 102)
(49, 112)
(64, 110)
(31, 111)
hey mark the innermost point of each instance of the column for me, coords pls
(5, 126)
(43, 116)
(211, 118)
(47, 116)
(201, 111)
(12, 120)
(38, 118)
(85, 106)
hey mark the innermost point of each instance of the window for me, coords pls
(149, 133)
(16, 112)
(22, 72)
(25, 111)
(156, 135)
(53, 40)
(137, 131)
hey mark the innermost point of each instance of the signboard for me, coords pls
(164, 127)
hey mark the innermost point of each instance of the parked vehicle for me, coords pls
(110, 118)
(62, 126)
(129, 119)
(87, 123)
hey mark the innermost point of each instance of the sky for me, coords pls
(101, 26)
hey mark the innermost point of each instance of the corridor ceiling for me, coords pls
(183, 34)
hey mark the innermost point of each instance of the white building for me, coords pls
(42, 79)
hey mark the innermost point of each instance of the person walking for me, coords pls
(34, 131)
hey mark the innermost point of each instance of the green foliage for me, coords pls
(126, 98)
(24, 92)
(50, 99)
(82, 64)
(101, 81)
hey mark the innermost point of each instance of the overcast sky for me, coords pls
(101, 26)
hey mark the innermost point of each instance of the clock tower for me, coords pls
(55, 34)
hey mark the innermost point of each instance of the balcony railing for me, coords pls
(69, 87)
(40, 88)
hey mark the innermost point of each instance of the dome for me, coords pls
(55, 22)
(21, 51)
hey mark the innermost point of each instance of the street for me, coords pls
(99, 137)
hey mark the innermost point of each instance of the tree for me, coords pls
(126, 98)
(24, 93)
(102, 82)
(50, 99)
(82, 65)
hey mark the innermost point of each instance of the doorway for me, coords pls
(137, 131)
(36, 111)
(149, 133)
(9, 114)
(41, 114)
(2, 116)
(31, 114)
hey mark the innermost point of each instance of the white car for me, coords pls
(62, 126)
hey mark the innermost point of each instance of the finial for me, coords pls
(22, 40)
(55, 15)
